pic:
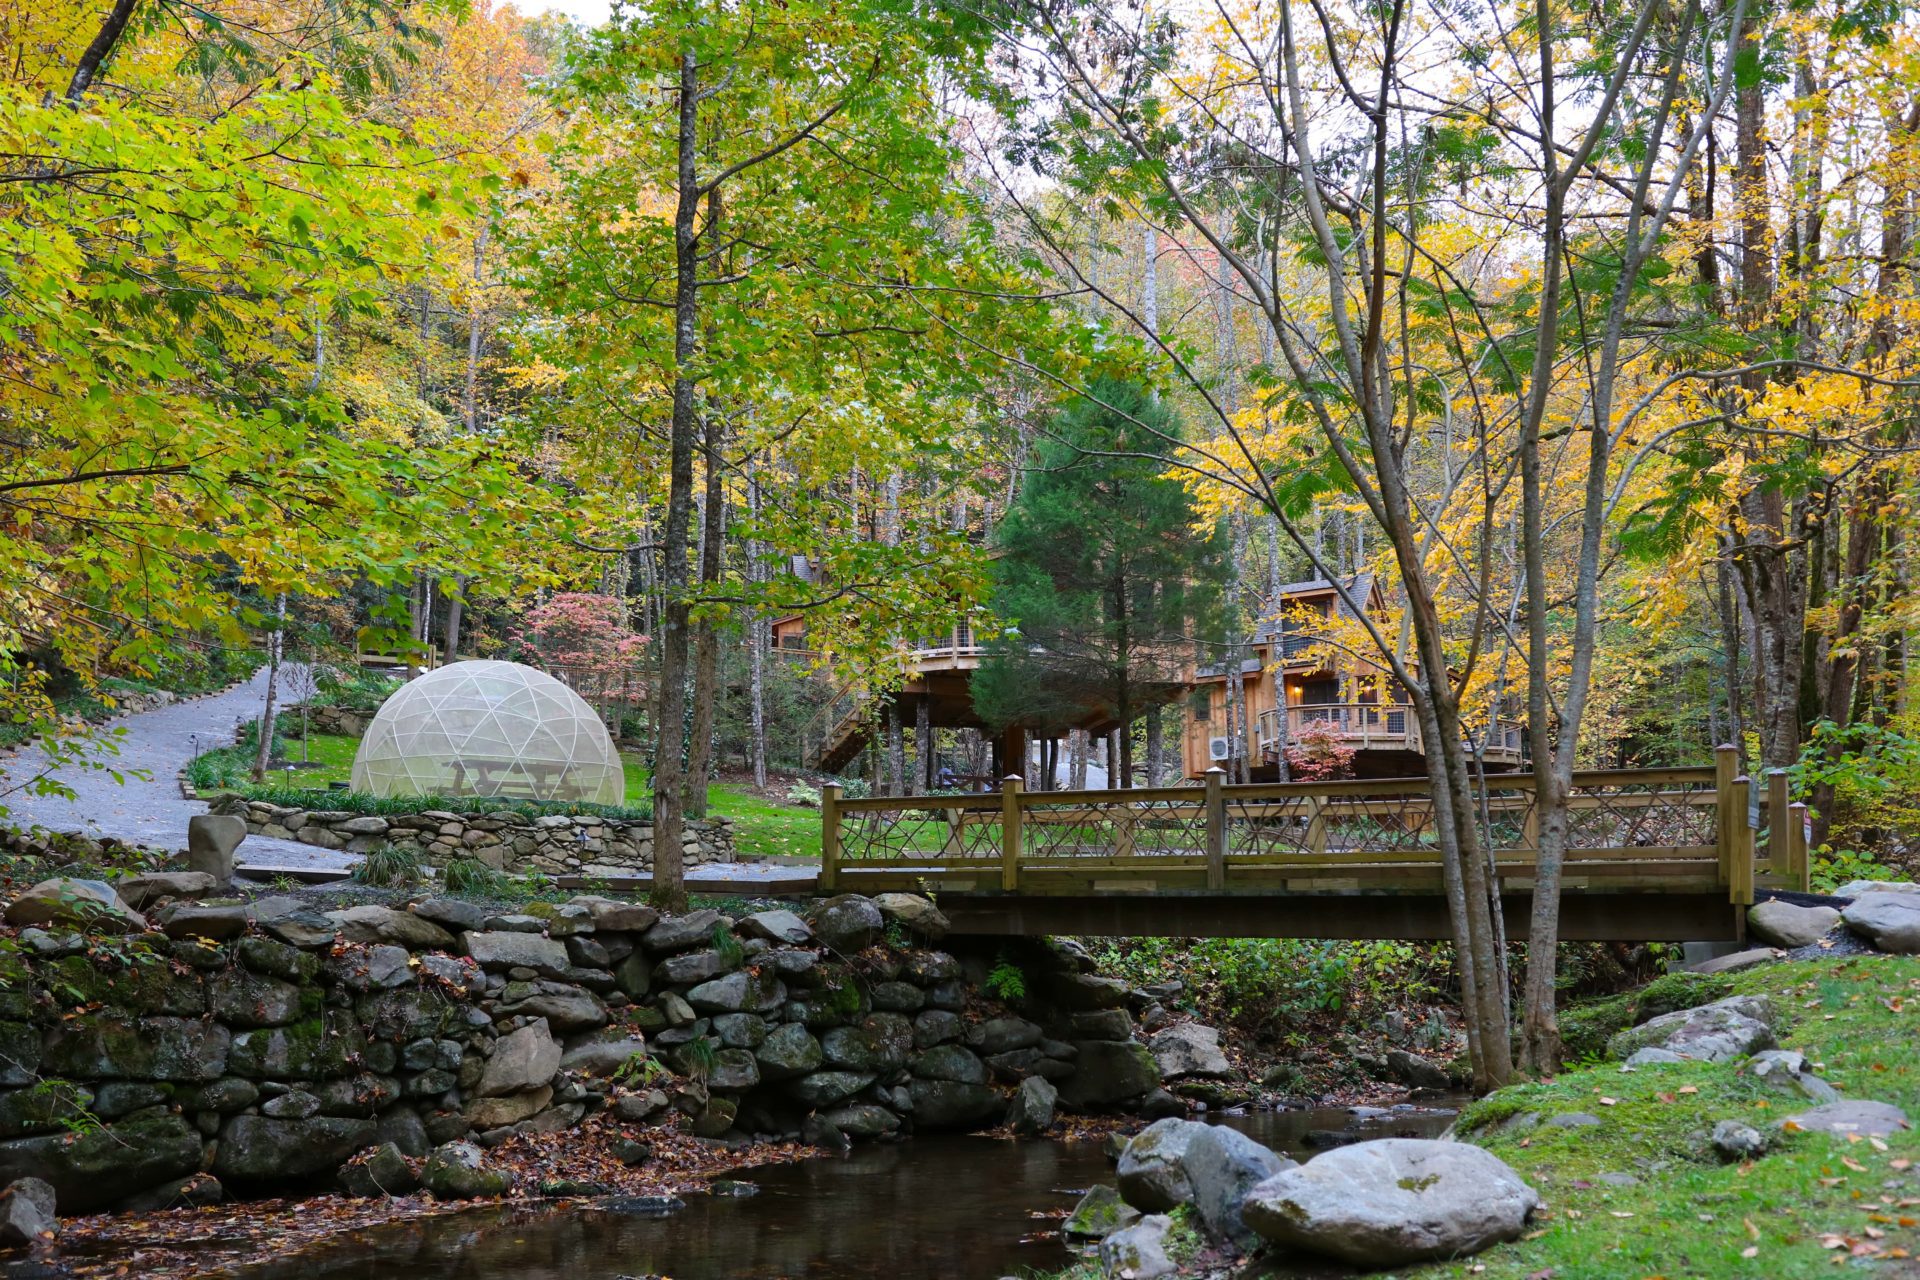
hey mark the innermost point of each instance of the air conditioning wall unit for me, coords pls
(1220, 749)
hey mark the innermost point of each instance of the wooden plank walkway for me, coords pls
(1654, 854)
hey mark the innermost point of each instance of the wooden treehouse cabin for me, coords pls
(1304, 691)
(939, 677)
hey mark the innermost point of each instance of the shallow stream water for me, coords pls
(932, 1207)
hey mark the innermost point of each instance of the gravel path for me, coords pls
(151, 810)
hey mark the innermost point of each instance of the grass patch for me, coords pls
(1690, 1215)
(761, 827)
(388, 866)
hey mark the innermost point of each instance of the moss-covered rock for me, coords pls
(108, 1046)
(324, 1047)
(92, 1170)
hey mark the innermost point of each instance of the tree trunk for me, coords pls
(757, 631)
(263, 750)
(706, 636)
(669, 771)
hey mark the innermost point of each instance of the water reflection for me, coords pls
(931, 1207)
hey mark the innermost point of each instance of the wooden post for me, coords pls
(1216, 830)
(1316, 825)
(1726, 766)
(829, 836)
(1740, 882)
(1010, 829)
(1531, 834)
(1778, 848)
(1799, 871)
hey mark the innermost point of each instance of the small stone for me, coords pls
(458, 1171)
(27, 1213)
(1138, 1252)
(1032, 1110)
(1734, 1141)
(1099, 1213)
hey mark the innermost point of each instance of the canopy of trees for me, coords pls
(1588, 334)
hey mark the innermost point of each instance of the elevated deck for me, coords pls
(1655, 855)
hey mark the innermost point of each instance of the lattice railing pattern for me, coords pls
(1310, 825)
(1163, 822)
(1658, 812)
(946, 829)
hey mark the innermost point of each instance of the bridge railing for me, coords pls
(1630, 828)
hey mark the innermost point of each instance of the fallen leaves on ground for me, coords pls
(179, 1243)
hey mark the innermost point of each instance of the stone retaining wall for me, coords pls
(197, 1049)
(554, 844)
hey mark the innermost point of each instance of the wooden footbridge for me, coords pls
(1654, 855)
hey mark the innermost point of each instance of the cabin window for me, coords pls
(1320, 690)
(1200, 703)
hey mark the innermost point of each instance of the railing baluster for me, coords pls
(1011, 820)
(1216, 830)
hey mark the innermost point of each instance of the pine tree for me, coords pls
(1102, 577)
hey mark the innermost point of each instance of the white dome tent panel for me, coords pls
(489, 729)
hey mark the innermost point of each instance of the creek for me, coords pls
(935, 1206)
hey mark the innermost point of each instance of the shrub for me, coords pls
(388, 866)
(470, 875)
(389, 806)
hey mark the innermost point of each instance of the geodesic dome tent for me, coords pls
(488, 729)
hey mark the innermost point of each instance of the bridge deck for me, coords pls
(1654, 855)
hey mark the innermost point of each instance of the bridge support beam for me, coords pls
(1585, 917)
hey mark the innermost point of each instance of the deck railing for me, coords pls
(1628, 829)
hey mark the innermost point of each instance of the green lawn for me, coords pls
(332, 751)
(761, 828)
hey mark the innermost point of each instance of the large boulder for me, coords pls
(523, 1059)
(211, 840)
(1782, 924)
(1859, 1119)
(1109, 1071)
(268, 1149)
(1854, 888)
(1153, 1170)
(1415, 1071)
(848, 923)
(1717, 1032)
(143, 890)
(1392, 1202)
(91, 905)
(1189, 1049)
(109, 1047)
(1223, 1165)
(1891, 921)
(94, 1169)
(372, 923)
